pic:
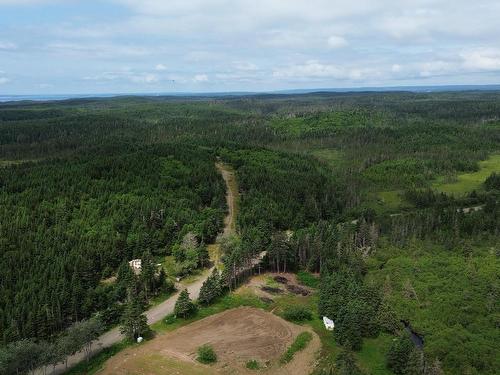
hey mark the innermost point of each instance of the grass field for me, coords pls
(468, 182)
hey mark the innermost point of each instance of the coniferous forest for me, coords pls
(392, 198)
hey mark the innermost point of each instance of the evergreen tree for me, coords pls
(211, 288)
(184, 307)
(134, 322)
(399, 354)
(148, 274)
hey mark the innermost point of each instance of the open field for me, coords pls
(468, 182)
(237, 336)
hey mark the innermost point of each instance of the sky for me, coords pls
(160, 46)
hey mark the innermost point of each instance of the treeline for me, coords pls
(67, 224)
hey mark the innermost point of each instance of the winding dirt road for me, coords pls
(161, 310)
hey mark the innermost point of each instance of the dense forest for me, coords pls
(393, 198)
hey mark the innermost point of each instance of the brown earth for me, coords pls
(237, 336)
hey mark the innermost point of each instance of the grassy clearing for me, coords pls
(331, 157)
(308, 279)
(371, 357)
(468, 182)
(299, 344)
(159, 364)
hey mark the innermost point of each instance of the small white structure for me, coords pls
(140, 339)
(329, 324)
(136, 265)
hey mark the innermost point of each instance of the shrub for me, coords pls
(297, 313)
(206, 354)
(253, 365)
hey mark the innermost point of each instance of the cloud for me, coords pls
(314, 69)
(198, 78)
(482, 59)
(7, 46)
(268, 44)
(96, 50)
(27, 2)
(336, 41)
(396, 68)
(4, 80)
(125, 75)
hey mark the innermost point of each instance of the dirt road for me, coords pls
(231, 197)
(159, 311)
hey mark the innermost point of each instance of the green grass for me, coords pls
(331, 157)
(96, 363)
(308, 279)
(299, 344)
(371, 357)
(468, 182)
(156, 364)
(270, 282)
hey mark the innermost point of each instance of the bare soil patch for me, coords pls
(237, 336)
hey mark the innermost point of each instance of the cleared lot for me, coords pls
(237, 336)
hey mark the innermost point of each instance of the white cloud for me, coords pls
(336, 41)
(245, 66)
(482, 59)
(160, 67)
(313, 69)
(396, 68)
(144, 78)
(198, 78)
(125, 74)
(7, 46)
(4, 80)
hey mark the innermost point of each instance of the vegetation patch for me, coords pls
(297, 313)
(206, 354)
(308, 279)
(253, 365)
(468, 182)
(299, 344)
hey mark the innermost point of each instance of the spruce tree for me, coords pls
(184, 307)
(134, 322)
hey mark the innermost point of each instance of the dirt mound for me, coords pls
(270, 289)
(297, 290)
(237, 335)
(280, 279)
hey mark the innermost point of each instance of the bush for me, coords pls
(297, 313)
(253, 365)
(206, 354)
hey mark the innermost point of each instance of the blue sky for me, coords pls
(120, 46)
